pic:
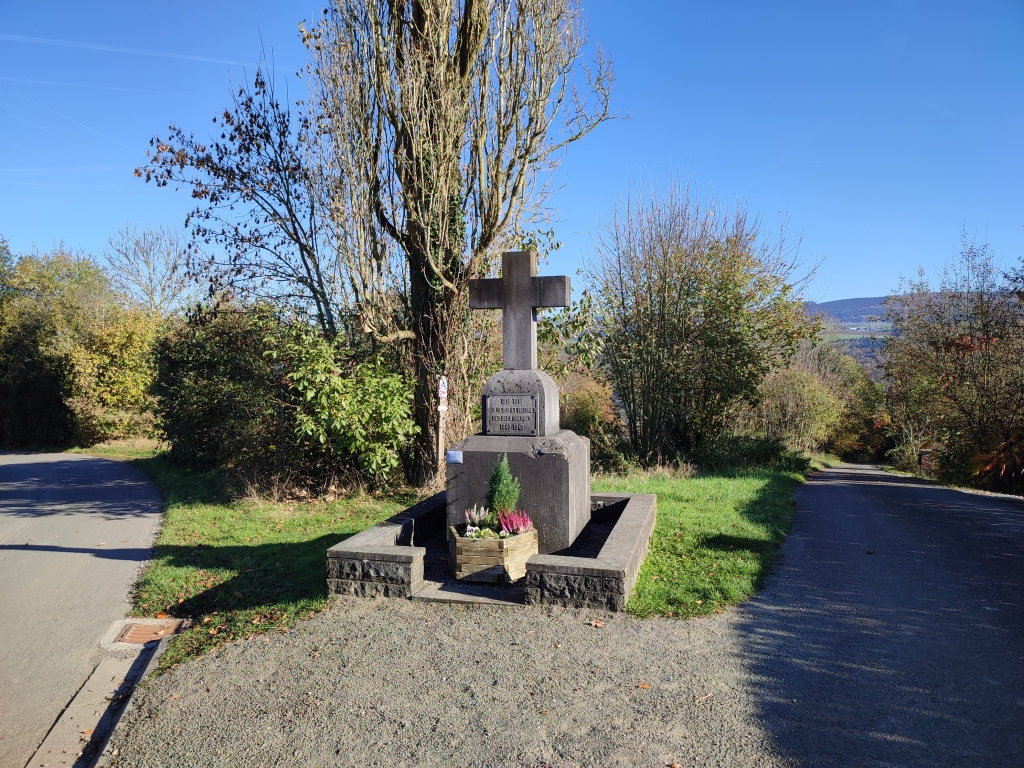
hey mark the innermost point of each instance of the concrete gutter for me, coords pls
(79, 737)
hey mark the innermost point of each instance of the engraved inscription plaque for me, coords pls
(510, 415)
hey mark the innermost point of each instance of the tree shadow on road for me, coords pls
(882, 639)
(46, 485)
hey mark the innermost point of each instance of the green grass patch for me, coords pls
(238, 567)
(122, 450)
(715, 538)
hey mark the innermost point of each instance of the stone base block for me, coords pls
(553, 473)
(370, 588)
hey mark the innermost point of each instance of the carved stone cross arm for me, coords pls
(518, 293)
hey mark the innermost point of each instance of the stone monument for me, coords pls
(520, 415)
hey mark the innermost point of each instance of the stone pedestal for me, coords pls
(554, 478)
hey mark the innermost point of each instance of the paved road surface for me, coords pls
(910, 656)
(892, 634)
(73, 532)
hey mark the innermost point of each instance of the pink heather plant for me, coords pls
(514, 523)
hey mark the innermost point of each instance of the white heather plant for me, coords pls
(481, 523)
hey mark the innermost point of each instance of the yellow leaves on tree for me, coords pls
(112, 370)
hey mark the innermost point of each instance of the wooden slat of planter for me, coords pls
(482, 573)
(482, 559)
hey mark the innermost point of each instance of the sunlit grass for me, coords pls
(237, 566)
(715, 538)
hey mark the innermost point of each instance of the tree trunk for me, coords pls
(432, 312)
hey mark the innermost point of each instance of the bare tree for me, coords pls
(148, 265)
(698, 305)
(258, 205)
(436, 120)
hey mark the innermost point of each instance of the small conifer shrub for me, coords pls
(503, 489)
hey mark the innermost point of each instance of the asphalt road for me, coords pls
(891, 634)
(73, 532)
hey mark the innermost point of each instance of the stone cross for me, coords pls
(518, 293)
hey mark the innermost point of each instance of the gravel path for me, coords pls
(375, 683)
(909, 656)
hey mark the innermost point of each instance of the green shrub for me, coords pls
(218, 395)
(345, 409)
(242, 389)
(503, 489)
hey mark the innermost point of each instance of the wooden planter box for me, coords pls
(495, 560)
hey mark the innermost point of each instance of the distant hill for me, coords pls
(850, 311)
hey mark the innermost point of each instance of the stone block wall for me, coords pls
(382, 561)
(604, 582)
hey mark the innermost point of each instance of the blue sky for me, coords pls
(879, 129)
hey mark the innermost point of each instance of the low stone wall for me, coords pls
(383, 560)
(604, 582)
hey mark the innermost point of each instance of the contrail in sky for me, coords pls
(116, 49)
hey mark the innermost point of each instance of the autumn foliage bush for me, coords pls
(955, 372)
(75, 359)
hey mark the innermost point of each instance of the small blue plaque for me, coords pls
(453, 457)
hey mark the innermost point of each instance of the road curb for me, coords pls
(104, 755)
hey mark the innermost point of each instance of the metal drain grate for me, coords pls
(147, 633)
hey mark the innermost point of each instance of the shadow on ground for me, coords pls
(86, 485)
(892, 633)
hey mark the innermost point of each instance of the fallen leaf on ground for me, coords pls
(597, 624)
(699, 602)
(644, 685)
(673, 765)
(557, 645)
(207, 620)
(87, 732)
(161, 615)
(101, 544)
(543, 711)
(213, 631)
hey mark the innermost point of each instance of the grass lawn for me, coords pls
(237, 566)
(715, 538)
(243, 566)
